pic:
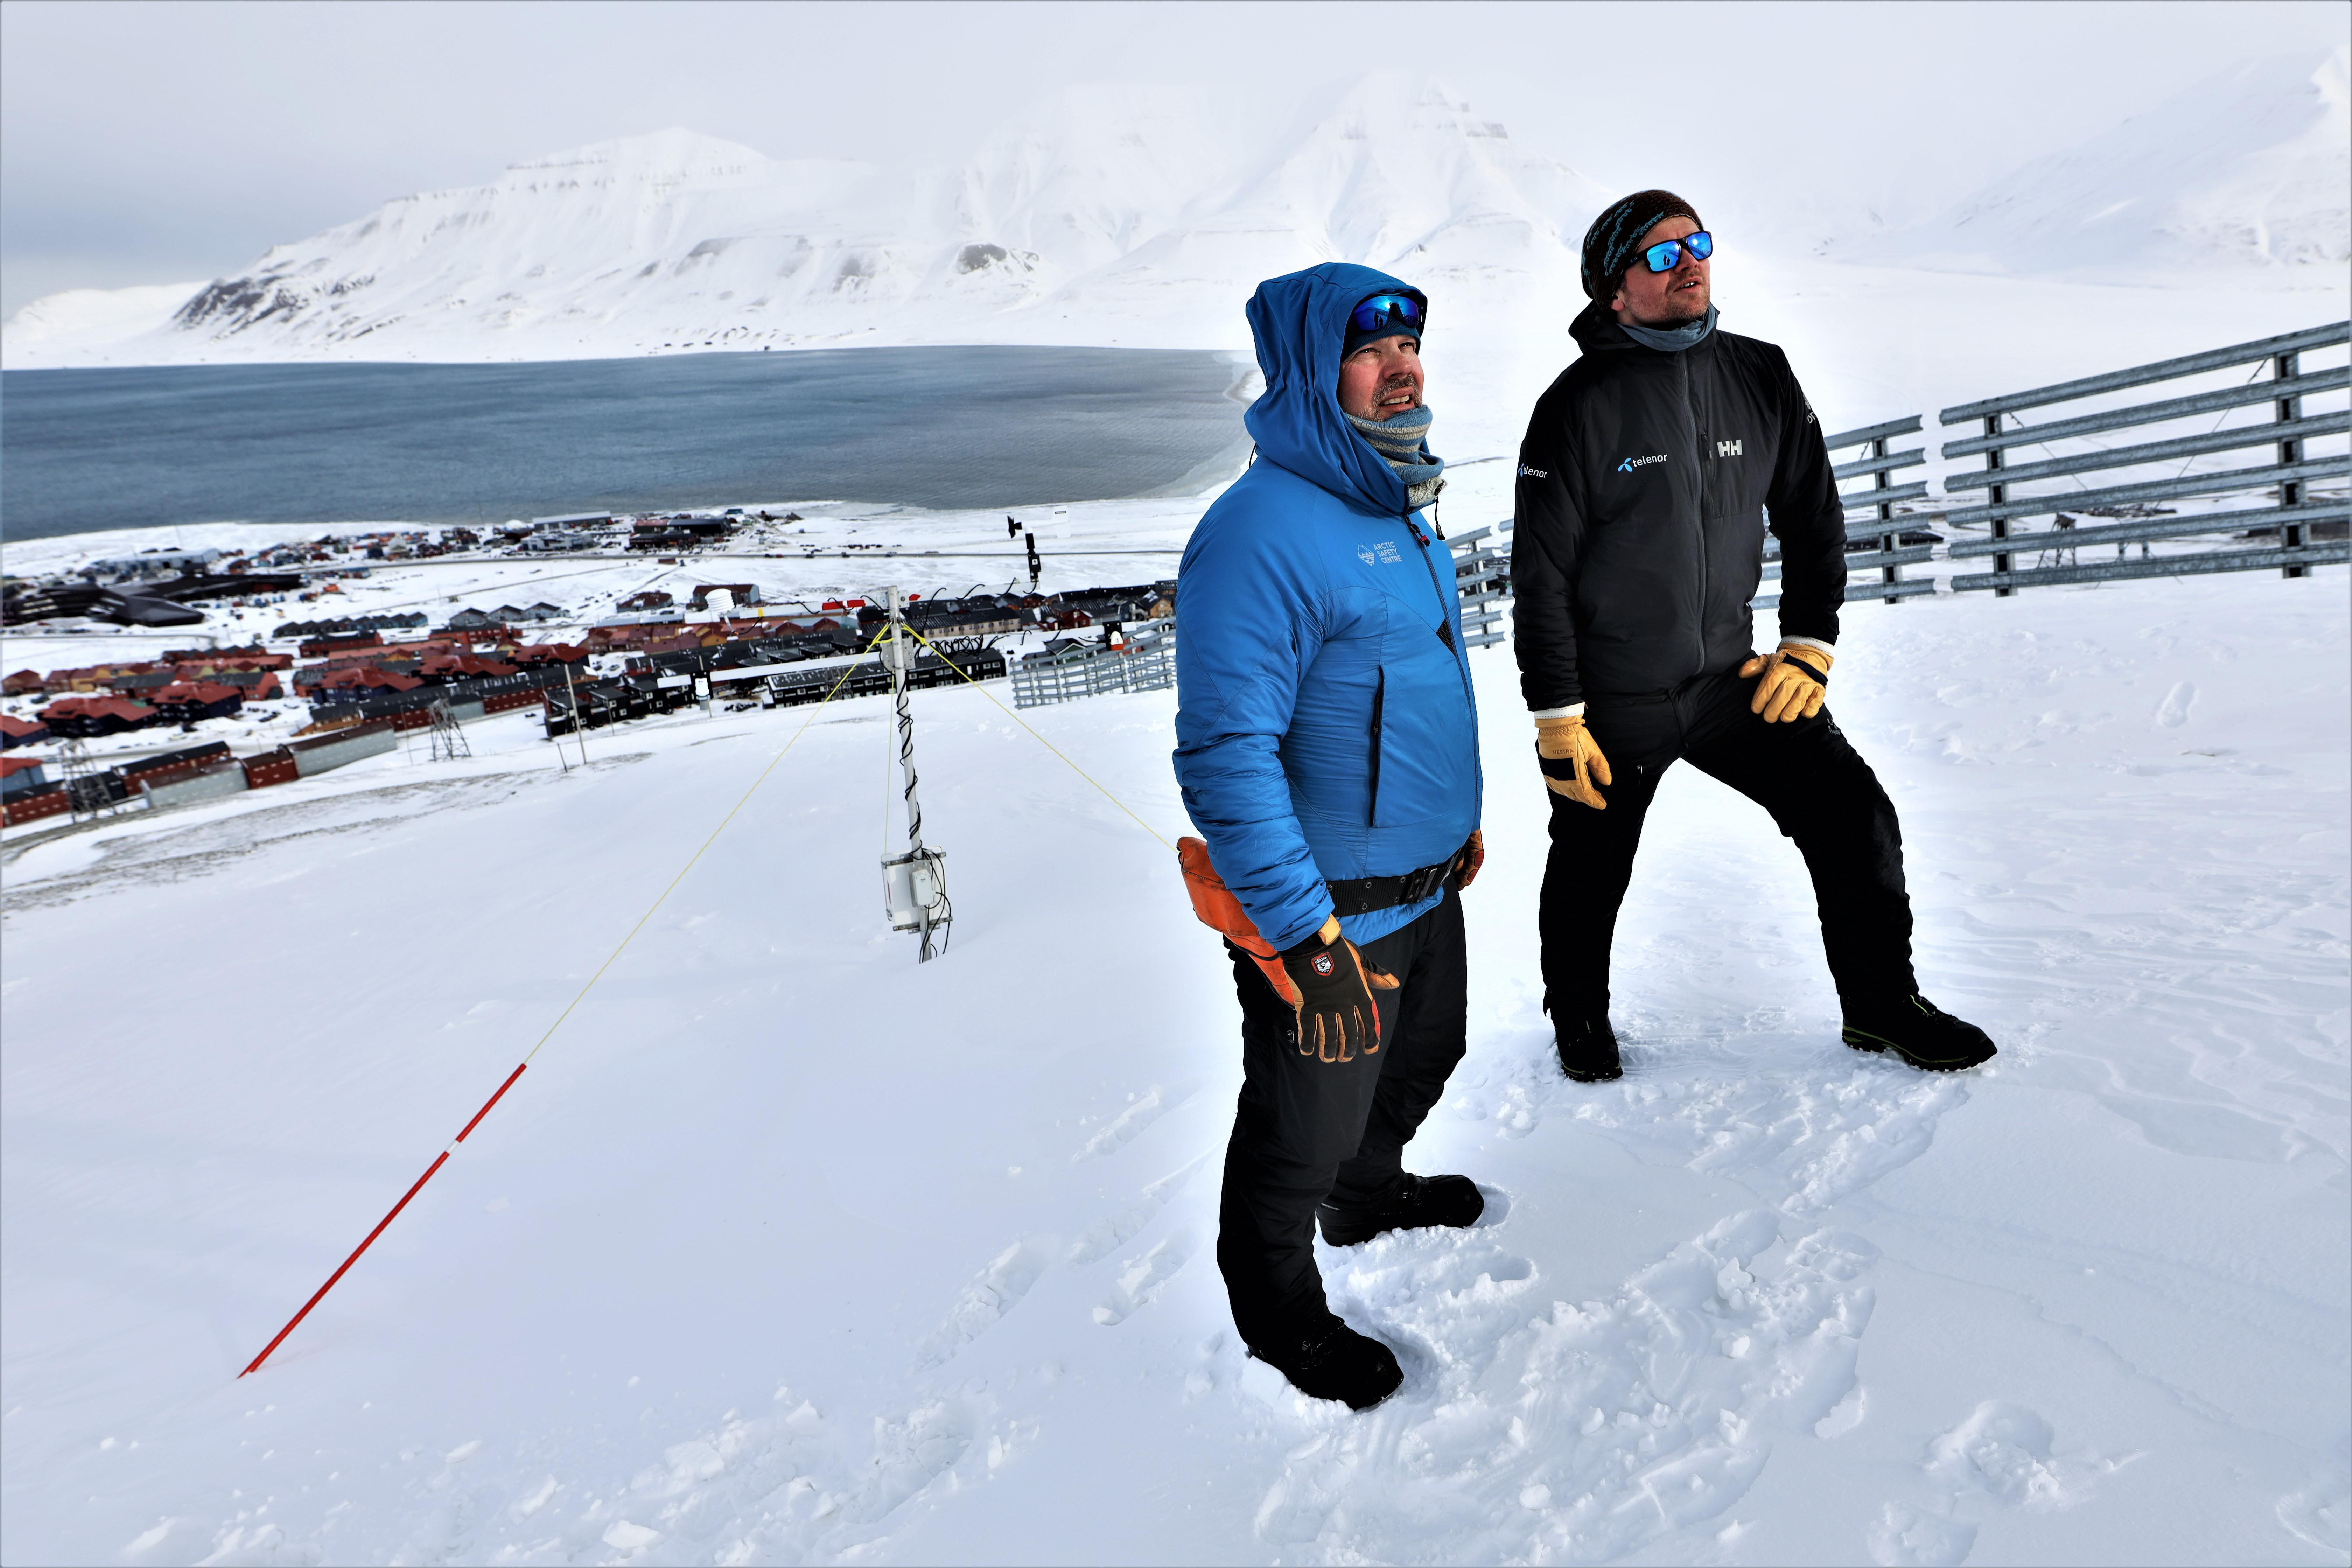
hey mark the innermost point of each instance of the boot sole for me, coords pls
(1862, 1040)
(1606, 1076)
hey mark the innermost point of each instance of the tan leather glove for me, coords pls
(1796, 682)
(1560, 740)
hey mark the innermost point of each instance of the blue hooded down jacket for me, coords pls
(1325, 726)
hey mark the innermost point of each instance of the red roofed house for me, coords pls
(367, 682)
(192, 702)
(86, 716)
(21, 732)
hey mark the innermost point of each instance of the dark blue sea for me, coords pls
(936, 427)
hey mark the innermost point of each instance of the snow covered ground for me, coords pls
(787, 1248)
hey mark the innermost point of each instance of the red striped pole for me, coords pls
(440, 1160)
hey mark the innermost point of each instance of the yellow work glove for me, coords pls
(1571, 760)
(1796, 681)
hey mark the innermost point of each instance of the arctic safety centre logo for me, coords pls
(1630, 464)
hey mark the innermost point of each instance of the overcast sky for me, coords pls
(161, 142)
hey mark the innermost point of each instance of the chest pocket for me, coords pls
(1735, 471)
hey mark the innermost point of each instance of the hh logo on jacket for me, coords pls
(1727, 448)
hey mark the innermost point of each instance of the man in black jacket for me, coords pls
(1649, 470)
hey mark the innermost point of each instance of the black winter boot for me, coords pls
(1338, 1363)
(1919, 1032)
(1587, 1049)
(1413, 1202)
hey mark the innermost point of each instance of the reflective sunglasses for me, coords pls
(1667, 255)
(1389, 310)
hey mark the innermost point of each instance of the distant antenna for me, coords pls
(914, 885)
(448, 740)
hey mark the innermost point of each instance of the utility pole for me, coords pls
(914, 883)
(579, 721)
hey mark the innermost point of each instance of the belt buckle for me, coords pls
(1419, 884)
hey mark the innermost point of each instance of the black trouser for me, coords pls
(1818, 789)
(1309, 1130)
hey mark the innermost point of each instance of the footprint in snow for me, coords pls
(1586, 1432)
(1107, 1234)
(1123, 1129)
(1142, 1278)
(2173, 711)
(997, 1290)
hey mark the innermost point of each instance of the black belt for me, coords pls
(1362, 895)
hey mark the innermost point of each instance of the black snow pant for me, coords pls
(1309, 1130)
(1817, 788)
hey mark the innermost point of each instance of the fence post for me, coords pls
(2290, 534)
(1996, 494)
(1887, 542)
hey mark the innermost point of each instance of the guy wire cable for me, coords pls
(1041, 740)
(443, 1158)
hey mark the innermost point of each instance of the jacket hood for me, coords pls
(1595, 327)
(1301, 323)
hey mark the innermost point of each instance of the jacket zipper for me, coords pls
(1699, 459)
(1379, 701)
(1445, 610)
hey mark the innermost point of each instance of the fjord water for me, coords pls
(936, 427)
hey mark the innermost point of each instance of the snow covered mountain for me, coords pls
(1127, 214)
(2252, 166)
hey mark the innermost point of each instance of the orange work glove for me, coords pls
(1218, 910)
(1796, 681)
(1571, 760)
(1467, 861)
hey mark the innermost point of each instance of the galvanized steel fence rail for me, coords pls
(1896, 525)
(2079, 442)
(1145, 662)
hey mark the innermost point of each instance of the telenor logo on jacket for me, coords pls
(1528, 473)
(1630, 464)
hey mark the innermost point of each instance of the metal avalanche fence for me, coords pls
(2162, 478)
(1147, 662)
(1144, 661)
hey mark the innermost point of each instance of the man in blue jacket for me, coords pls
(1328, 748)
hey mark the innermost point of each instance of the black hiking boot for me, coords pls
(1588, 1050)
(1413, 1202)
(1920, 1033)
(1338, 1363)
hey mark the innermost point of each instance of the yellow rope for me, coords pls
(1041, 740)
(674, 882)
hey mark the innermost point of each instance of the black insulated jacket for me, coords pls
(1644, 483)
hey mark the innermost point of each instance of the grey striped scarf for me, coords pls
(1402, 440)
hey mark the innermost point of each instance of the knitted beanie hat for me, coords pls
(1609, 243)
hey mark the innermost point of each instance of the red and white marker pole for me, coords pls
(440, 1160)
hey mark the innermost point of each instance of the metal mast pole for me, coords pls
(901, 667)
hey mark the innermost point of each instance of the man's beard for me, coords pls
(1680, 309)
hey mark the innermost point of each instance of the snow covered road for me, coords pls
(789, 1250)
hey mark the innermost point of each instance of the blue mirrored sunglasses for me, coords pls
(1667, 255)
(1389, 310)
